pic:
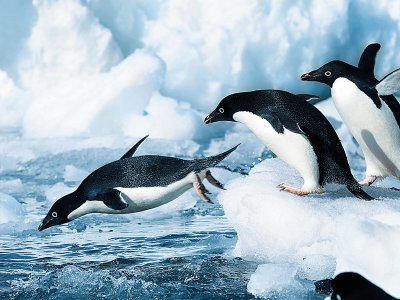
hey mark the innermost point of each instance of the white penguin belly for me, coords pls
(376, 130)
(140, 198)
(295, 149)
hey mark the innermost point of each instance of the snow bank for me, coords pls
(89, 68)
(312, 237)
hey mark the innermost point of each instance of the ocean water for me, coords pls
(181, 252)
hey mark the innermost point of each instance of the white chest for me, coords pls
(295, 149)
(140, 198)
(376, 130)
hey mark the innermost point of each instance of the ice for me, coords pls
(74, 174)
(57, 191)
(178, 120)
(86, 68)
(10, 209)
(271, 280)
(320, 234)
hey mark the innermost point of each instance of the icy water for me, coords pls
(182, 254)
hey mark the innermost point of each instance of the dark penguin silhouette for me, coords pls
(296, 132)
(368, 108)
(353, 286)
(134, 184)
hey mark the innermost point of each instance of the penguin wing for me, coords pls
(390, 84)
(367, 59)
(134, 148)
(113, 199)
(279, 119)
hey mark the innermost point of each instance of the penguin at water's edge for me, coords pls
(297, 132)
(134, 184)
(368, 108)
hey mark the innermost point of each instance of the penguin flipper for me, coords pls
(274, 118)
(134, 148)
(113, 199)
(367, 59)
(279, 119)
(390, 84)
(307, 97)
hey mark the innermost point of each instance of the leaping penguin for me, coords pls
(296, 132)
(368, 108)
(134, 184)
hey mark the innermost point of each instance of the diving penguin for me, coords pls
(297, 132)
(134, 184)
(368, 108)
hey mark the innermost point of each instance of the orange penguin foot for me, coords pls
(293, 190)
(368, 180)
(201, 189)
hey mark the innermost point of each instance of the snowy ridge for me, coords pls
(123, 68)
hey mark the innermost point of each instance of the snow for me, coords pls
(10, 209)
(74, 174)
(90, 68)
(317, 235)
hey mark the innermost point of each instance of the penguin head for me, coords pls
(349, 285)
(228, 106)
(329, 72)
(59, 212)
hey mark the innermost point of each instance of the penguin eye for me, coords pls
(328, 73)
(54, 214)
(221, 110)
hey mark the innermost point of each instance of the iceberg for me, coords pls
(315, 236)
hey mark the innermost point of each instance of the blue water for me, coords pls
(186, 255)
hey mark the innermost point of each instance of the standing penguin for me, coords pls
(296, 132)
(134, 184)
(368, 108)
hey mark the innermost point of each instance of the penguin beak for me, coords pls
(45, 224)
(308, 76)
(311, 76)
(210, 118)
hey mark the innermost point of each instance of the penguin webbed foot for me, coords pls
(368, 180)
(201, 190)
(292, 190)
(212, 180)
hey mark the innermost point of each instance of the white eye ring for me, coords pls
(328, 73)
(54, 214)
(221, 110)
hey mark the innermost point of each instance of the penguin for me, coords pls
(353, 286)
(297, 132)
(134, 184)
(368, 108)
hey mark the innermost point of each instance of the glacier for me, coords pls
(82, 80)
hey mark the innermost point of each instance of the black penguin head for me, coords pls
(228, 106)
(329, 72)
(58, 213)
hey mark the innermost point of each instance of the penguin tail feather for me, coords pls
(357, 191)
(212, 161)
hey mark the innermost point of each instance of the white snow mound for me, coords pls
(317, 236)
